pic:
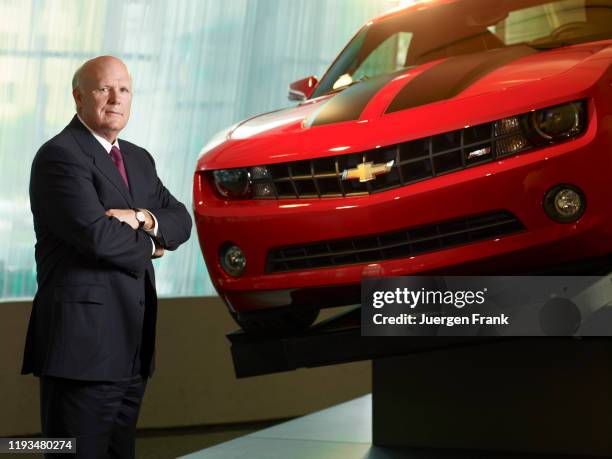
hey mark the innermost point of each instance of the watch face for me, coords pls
(140, 217)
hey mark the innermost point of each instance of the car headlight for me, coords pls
(540, 127)
(243, 183)
(232, 183)
(559, 122)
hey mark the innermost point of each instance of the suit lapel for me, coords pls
(102, 160)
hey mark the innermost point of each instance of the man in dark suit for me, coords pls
(100, 214)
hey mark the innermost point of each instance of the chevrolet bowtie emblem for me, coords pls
(367, 171)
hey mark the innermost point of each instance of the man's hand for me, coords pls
(129, 216)
(124, 215)
(149, 222)
(159, 251)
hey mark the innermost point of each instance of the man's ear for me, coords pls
(78, 100)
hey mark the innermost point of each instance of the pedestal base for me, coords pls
(526, 395)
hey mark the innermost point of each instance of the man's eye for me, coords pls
(126, 90)
(103, 89)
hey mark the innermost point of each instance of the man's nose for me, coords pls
(112, 96)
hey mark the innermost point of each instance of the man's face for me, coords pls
(104, 96)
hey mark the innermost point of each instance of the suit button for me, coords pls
(141, 302)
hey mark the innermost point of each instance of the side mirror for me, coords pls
(302, 89)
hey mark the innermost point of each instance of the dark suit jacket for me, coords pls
(96, 307)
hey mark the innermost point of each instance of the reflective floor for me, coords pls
(339, 432)
(342, 431)
(167, 443)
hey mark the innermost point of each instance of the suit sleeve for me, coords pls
(174, 221)
(63, 194)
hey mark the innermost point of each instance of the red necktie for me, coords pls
(118, 160)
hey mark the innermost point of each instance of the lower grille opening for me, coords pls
(398, 244)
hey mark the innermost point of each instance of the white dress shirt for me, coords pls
(107, 146)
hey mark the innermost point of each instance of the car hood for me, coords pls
(473, 87)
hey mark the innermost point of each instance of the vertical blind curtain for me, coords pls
(198, 66)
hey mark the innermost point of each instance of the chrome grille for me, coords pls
(413, 161)
(398, 244)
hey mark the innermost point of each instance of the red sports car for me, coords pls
(449, 136)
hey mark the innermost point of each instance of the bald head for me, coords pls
(102, 91)
(93, 65)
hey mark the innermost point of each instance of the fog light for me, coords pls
(564, 203)
(233, 260)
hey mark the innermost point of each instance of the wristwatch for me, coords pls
(140, 217)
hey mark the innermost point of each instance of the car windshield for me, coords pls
(428, 32)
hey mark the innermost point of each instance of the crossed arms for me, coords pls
(65, 200)
(150, 227)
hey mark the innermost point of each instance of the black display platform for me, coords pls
(330, 342)
(548, 396)
(533, 395)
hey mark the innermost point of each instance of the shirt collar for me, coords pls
(105, 143)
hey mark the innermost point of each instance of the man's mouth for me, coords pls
(109, 112)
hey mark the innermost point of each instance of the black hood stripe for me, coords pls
(453, 76)
(348, 104)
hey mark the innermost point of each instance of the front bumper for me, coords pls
(515, 184)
